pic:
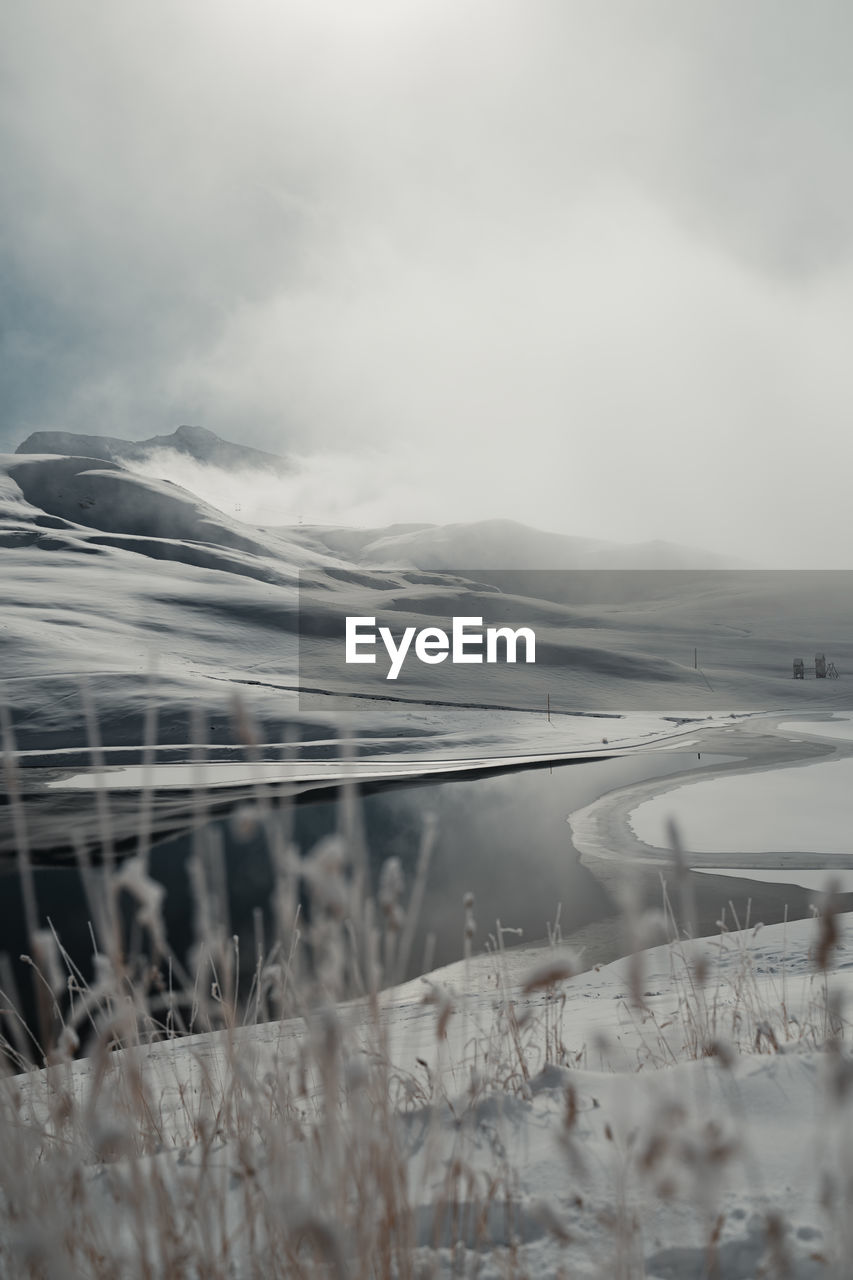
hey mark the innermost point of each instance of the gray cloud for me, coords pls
(581, 265)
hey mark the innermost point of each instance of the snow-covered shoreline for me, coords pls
(759, 750)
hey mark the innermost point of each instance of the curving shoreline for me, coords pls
(607, 845)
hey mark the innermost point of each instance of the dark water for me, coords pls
(502, 837)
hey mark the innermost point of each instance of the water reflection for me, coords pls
(502, 837)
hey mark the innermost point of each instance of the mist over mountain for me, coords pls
(507, 544)
(121, 503)
(195, 442)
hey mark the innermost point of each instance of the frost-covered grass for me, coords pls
(684, 1112)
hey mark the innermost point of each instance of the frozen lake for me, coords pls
(840, 726)
(501, 836)
(803, 808)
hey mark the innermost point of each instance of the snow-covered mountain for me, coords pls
(106, 572)
(496, 544)
(195, 442)
(506, 544)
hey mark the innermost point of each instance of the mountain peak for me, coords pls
(194, 441)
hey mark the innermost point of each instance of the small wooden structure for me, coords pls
(823, 670)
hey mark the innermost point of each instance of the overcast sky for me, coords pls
(585, 265)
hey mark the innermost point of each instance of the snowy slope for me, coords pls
(683, 1109)
(107, 573)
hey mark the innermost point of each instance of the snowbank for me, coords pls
(685, 1110)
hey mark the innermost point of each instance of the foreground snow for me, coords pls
(661, 1116)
